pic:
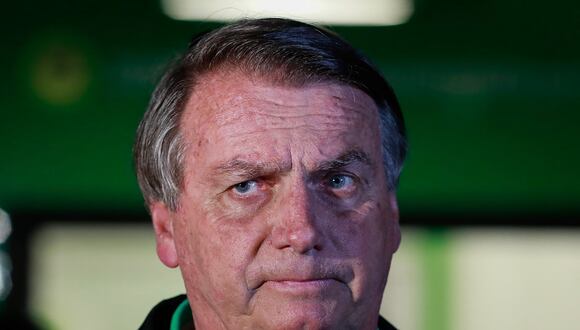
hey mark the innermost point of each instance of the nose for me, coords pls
(296, 222)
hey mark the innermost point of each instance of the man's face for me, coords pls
(285, 219)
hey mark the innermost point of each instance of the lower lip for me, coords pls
(301, 286)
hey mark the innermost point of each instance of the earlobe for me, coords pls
(163, 225)
(397, 237)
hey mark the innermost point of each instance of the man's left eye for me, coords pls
(246, 187)
(340, 181)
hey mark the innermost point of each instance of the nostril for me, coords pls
(317, 247)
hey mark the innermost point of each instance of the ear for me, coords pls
(394, 219)
(163, 225)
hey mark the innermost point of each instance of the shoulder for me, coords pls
(160, 316)
(385, 325)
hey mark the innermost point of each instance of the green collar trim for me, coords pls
(181, 316)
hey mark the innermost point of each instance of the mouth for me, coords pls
(299, 277)
(301, 285)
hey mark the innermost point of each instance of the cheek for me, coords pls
(365, 236)
(219, 246)
(363, 228)
(370, 255)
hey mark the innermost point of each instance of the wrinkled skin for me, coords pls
(285, 219)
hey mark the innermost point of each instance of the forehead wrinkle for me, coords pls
(267, 120)
(249, 104)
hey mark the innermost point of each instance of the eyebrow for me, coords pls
(242, 168)
(344, 160)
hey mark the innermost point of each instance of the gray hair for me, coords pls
(285, 52)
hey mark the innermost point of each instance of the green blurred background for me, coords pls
(490, 91)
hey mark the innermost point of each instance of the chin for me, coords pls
(300, 322)
(304, 315)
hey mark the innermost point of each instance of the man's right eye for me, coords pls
(246, 188)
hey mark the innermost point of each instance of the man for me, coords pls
(269, 158)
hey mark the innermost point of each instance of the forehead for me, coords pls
(241, 109)
(232, 95)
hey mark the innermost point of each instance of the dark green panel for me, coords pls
(489, 90)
